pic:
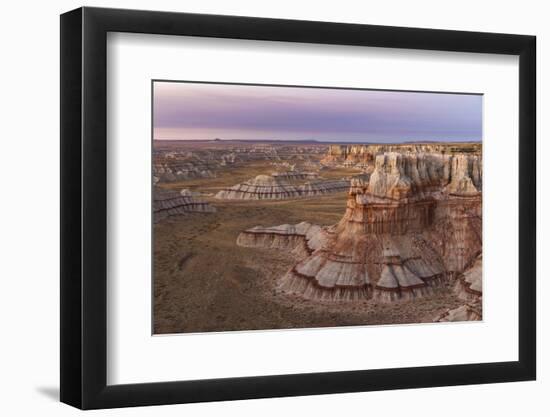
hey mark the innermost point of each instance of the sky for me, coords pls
(195, 111)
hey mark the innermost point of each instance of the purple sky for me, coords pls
(207, 111)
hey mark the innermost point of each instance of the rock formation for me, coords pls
(364, 155)
(469, 284)
(272, 187)
(168, 167)
(302, 239)
(469, 288)
(294, 175)
(412, 225)
(170, 203)
(320, 187)
(182, 160)
(262, 187)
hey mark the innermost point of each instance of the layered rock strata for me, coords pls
(469, 284)
(262, 187)
(168, 168)
(414, 224)
(171, 203)
(469, 288)
(355, 155)
(269, 187)
(320, 187)
(295, 175)
(303, 238)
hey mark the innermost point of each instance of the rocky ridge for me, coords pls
(171, 203)
(275, 187)
(364, 155)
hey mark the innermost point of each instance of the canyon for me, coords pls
(312, 234)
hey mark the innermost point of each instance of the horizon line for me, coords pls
(320, 141)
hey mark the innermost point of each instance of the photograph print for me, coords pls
(284, 207)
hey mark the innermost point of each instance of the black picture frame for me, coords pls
(84, 207)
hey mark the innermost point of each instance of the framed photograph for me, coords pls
(257, 208)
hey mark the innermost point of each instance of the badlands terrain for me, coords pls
(270, 235)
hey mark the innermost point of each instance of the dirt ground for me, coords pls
(204, 282)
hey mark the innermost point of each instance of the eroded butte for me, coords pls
(413, 225)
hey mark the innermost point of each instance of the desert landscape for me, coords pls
(275, 234)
